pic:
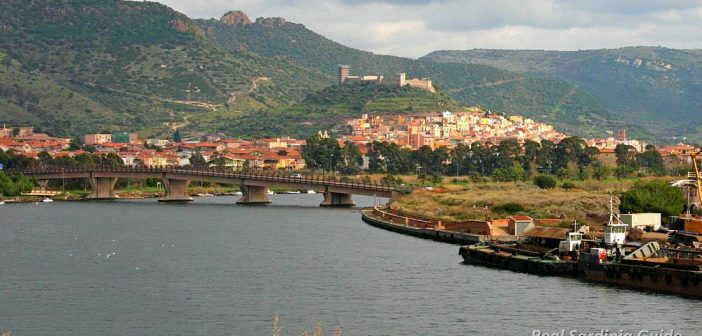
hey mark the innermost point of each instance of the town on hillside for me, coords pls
(435, 130)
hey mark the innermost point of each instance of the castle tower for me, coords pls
(621, 135)
(344, 72)
(402, 79)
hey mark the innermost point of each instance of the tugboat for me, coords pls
(511, 256)
(676, 271)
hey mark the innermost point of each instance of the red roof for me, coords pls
(206, 144)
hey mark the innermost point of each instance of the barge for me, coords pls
(674, 271)
(516, 259)
(371, 217)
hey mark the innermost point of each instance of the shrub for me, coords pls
(653, 196)
(568, 185)
(545, 181)
(509, 208)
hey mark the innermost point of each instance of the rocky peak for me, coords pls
(233, 18)
(271, 21)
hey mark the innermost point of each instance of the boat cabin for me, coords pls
(571, 243)
(545, 236)
(615, 234)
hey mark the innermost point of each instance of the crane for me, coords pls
(695, 224)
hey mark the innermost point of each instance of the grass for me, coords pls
(588, 201)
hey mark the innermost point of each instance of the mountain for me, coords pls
(110, 65)
(144, 62)
(657, 88)
(550, 100)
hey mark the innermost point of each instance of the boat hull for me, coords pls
(681, 282)
(485, 256)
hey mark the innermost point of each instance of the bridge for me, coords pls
(253, 185)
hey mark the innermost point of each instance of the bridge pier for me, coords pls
(43, 184)
(176, 191)
(332, 199)
(103, 188)
(253, 194)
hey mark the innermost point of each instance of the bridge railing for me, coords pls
(325, 180)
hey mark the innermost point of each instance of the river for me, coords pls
(215, 268)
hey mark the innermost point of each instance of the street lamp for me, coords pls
(331, 159)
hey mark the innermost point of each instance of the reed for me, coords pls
(588, 202)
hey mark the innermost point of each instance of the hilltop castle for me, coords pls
(401, 79)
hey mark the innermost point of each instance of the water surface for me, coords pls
(215, 268)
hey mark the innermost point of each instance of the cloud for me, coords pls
(416, 27)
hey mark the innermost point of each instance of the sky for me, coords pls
(414, 28)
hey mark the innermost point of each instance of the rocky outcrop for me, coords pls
(184, 26)
(233, 18)
(271, 21)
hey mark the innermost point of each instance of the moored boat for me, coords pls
(511, 257)
(676, 271)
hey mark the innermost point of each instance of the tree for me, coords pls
(85, 159)
(651, 160)
(531, 153)
(7, 186)
(384, 157)
(217, 160)
(431, 161)
(177, 138)
(569, 150)
(545, 156)
(653, 196)
(23, 184)
(321, 153)
(16, 185)
(351, 158)
(198, 161)
(112, 160)
(600, 172)
(625, 155)
(45, 158)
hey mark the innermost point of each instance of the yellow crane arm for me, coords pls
(697, 176)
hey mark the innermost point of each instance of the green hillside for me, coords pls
(140, 66)
(326, 108)
(34, 99)
(657, 88)
(146, 63)
(549, 100)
